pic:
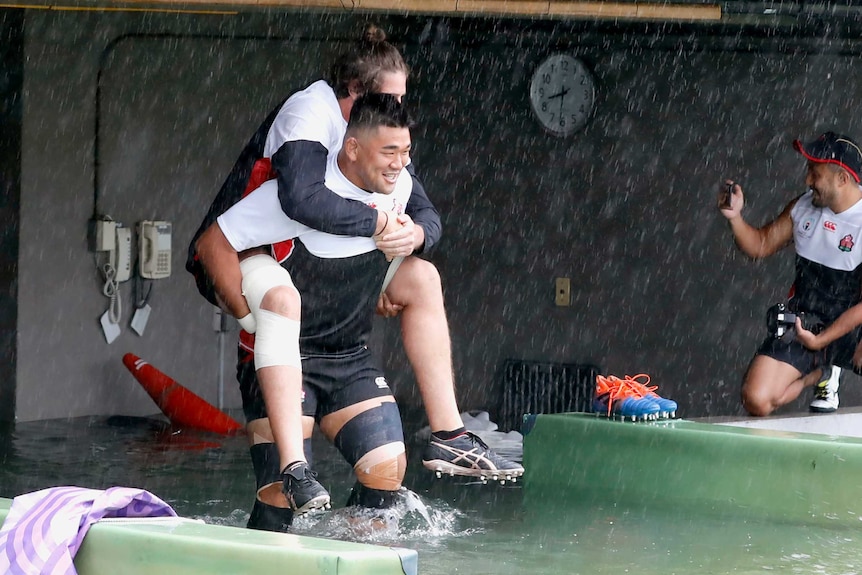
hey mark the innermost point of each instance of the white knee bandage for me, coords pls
(260, 274)
(276, 341)
(277, 337)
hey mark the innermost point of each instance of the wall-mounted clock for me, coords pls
(562, 94)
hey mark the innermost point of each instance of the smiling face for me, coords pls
(374, 158)
(822, 179)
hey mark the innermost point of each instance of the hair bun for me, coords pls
(373, 34)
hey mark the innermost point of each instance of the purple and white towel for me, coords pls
(45, 529)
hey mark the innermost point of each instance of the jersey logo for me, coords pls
(397, 206)
(806, 227)
(830, 226)
(846, 244)
(381, 382)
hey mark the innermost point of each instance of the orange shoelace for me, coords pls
(619, 389)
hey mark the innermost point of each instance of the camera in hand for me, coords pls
(780, 321)
(727, 197)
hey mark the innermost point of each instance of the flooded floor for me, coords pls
(455, 527)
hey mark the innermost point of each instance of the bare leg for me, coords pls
(770, 383)
(282, 384)
(425, 332)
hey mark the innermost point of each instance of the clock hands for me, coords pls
(562, 96)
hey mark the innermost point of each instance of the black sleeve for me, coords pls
(423, 213)
(301, 170)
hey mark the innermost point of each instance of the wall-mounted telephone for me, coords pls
(121, 255)
(154, 243)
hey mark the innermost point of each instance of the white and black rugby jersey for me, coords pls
(257, 219)
(339, 277)
(828, 258)
(313, 115)
(339, 296)
(312, 123)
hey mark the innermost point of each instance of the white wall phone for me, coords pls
(154, 244)
(121, 255)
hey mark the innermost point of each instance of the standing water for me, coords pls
(456, 526)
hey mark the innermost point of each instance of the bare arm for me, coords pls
(845, 323)
(758, 242)
(221, 263)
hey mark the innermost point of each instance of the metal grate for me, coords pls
(539, 387)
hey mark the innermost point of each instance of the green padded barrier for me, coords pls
(185, 547)
(694, 467)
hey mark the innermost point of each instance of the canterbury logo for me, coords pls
(381, 383)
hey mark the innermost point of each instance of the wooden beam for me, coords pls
(556, 9)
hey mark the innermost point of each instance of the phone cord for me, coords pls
(112, 292)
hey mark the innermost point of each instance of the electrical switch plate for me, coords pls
(563, 292)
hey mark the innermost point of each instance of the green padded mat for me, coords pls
(694, 467)
(186, 547)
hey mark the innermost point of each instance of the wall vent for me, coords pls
(540, 387)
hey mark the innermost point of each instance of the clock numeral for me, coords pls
(552, 117)
(541, 92)
(544, 106)
(546, 78)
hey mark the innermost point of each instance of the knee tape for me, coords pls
(276, 341)
(383, 467)
(260, 274)
(277, 338)
(373, 443)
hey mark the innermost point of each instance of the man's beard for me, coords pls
(817, 199)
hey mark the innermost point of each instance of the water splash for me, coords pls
(410, 519)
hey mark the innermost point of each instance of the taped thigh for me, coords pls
(277, 338)
(276, 342)
(373, 443)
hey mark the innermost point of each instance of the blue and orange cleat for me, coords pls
(667, 407)
(630, 397)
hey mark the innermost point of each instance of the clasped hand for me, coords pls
(397, 238)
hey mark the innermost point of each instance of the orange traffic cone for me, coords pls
(182, 407)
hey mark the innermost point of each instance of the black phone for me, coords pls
(727, 197)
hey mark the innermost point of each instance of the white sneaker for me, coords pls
(826, 390)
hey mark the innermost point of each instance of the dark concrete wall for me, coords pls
(625, 208)
(11, 70)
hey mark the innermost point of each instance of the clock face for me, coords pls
(562, 94)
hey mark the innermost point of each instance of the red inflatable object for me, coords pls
(183, 408)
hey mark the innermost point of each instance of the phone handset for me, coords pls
(154, 243)
(121, 255)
